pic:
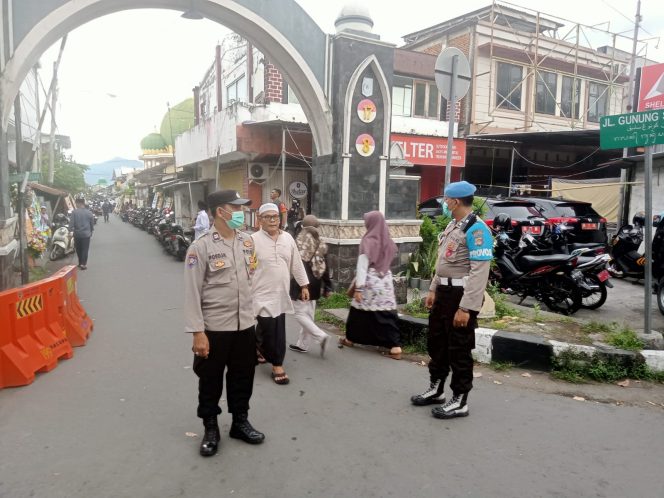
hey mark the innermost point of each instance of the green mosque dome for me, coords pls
(180, 118)
(154, 141)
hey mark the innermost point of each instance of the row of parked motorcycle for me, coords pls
(161, 223)
(566, 276)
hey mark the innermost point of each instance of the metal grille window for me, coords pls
(508, 86)
(545, 102)
(570, 97)
(598, 100)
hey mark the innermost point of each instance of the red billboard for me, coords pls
(430, 151)
(651, 89)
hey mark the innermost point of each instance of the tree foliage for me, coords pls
(68, 173)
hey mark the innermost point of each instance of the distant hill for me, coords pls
(105, 170)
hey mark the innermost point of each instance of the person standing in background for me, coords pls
(275, 196)
(202, 225)
(82, 223)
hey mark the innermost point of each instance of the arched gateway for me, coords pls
(281, 30)
(343, 83)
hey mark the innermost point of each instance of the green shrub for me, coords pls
(577, 367)
(334, 301)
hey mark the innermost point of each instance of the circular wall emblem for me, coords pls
(366, 110)
(365, 145)
(297, 190)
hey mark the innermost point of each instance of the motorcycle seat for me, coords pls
(532, 262)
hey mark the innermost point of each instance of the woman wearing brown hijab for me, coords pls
(372, 319)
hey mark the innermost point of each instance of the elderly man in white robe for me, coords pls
(278, 260)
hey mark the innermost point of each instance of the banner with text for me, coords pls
(430, 151)
(651, 88)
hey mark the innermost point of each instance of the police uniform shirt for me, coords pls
(217, 283)
(465, 255)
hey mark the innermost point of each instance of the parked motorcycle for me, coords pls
(551, 279)
(62, 240)
(626, 260)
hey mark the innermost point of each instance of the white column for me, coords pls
(383, 185)
(345, 185)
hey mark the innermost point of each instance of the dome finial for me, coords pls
(354, 17)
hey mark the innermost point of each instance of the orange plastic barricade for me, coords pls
(77, 322)
(32, 332)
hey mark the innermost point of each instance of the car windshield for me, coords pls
(573, 209)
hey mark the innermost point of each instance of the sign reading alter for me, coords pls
(638, 129)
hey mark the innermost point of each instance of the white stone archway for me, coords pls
(232, 14)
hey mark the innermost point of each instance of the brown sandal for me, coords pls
(345, 342)
(394, 356)
(280, 378)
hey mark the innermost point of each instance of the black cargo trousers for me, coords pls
(450, 347)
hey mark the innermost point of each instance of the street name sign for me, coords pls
(18, 177)
(637, 129)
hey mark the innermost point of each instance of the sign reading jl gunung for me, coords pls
(638, 129)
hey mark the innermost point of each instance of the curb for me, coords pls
(525, 350)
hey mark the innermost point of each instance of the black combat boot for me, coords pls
(457, 406)
(211, 437)
(242, 429)
(431, 396)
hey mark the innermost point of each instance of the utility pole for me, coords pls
(36, 159)
(23, 253)
(624, 173)
(51, 144)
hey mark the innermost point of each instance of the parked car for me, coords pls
(587, 225)
(524, 214)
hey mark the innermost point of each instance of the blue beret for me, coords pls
(457, 190)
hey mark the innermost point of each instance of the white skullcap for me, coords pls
(268, 207)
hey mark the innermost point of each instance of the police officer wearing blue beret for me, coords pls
(465, 250)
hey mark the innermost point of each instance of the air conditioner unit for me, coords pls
(258, 171)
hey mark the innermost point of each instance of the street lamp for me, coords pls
(192, 13)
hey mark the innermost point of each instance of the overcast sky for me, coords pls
(119, 72)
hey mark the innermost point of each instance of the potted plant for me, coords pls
(400, 287)
(413, 275)
(428, 257)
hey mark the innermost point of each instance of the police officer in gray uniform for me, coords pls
(465, 250)
(219, 315)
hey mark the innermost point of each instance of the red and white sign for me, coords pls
(651, 89)
(430, 151)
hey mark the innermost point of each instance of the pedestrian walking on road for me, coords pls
(218, 313)
(82, 223)
(314, 256)
(202, 225)
(279, 260)
(106, 208)
(372, 318)
(465, 250)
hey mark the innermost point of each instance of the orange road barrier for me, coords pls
(77, 322)
(32, 331)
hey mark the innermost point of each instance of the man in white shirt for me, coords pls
(278, 260)
(202, 225)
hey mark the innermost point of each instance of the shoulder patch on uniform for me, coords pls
(480, 243)
(192, 260)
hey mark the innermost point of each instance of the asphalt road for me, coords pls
(625, 304)
(112, 421)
